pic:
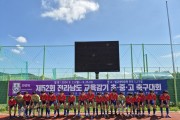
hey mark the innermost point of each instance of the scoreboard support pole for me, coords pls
(97, 75)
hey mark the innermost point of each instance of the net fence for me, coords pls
(57, 62)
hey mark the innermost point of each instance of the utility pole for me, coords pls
(172, 54)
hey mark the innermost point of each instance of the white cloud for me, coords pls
(21, 39)
(68, 10)
(177, 37)
(18, 50)
(177, 54)
(19, 47)
(49, 4)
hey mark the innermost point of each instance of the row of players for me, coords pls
(135, 103)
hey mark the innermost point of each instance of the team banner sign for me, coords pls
(76, 86)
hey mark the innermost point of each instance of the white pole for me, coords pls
(172, 54)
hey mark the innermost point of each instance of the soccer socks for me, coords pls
(26, 111)
(154, 111)
(167, 111)
(96, 111)
(101, 111)
(64, 111)
(88, 110)
(143, 111)
(54, 112)
(111, 111)
(74, 111)
(85, 111)
(19, 112)
(137, 111)
(58, 112)
(47, 111)
(78, 112)
(93, 111)
(30, 111)
(161, 109)
(41, 111)
(134, 111)
(148, 111)
(115, 111)
(67, 111)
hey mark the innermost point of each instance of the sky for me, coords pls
(59, 22)
(62, 22)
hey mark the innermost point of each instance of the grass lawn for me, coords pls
(4, 108)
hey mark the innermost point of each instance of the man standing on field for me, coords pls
(164, 102)
(35, 103)
(20, 102)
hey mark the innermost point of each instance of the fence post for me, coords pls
(140, 75)
(146, 63)
(7, 94)
(9, 78)
(177, 72)
(21, 74)
(107, 76)
(74, 76)
(54, 73)
(27, 70)
(132, 67)
(44, 57)
(3, 74)
(88, 75)
(143, 57)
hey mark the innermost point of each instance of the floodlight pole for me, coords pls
(172, 54)
(132, 66)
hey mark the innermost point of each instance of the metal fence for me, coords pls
(57, 62)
